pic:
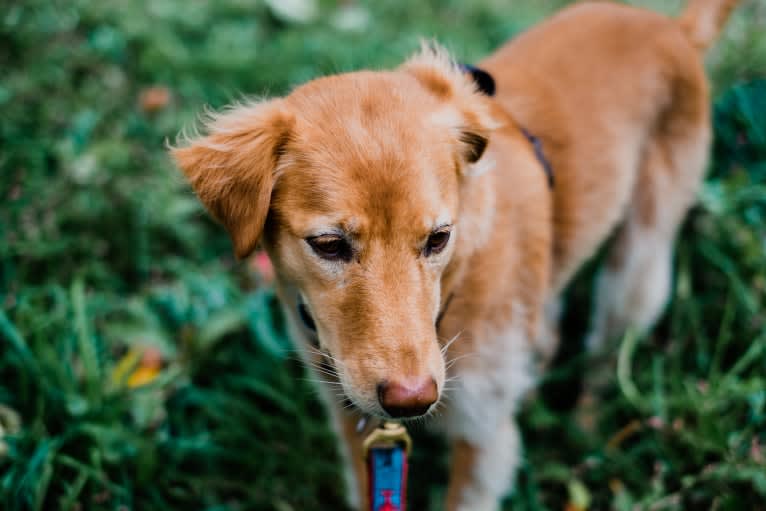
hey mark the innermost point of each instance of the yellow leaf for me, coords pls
(125, 366)
(142, 376)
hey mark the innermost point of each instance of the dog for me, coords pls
(422, 229)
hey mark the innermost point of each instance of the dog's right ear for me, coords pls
(232, 168)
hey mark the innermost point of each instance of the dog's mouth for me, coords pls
(404, 416)
(331, 376)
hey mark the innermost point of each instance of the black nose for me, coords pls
(409, 397)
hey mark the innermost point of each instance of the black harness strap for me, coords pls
(537, 144)
(486, 85)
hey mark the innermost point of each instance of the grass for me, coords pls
(104, 253)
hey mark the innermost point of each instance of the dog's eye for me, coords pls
(330, 247)
(436, 242)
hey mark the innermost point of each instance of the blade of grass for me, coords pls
(85, 342)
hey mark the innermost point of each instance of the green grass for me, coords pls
(103, 248)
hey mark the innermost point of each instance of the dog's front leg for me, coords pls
(344, 423)
(354, 470)
(482, 470)
(486, 445)
(343, 420)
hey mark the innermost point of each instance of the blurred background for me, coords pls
(142, 368)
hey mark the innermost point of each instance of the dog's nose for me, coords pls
(408, 397)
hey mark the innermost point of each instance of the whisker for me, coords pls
(436, 408)
(321, 353)
(325, 382)
(324, 369)
(322, 374)
(452, 362)
(449, 343)
(321, 364)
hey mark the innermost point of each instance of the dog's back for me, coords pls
(604, 86)
(619, 98)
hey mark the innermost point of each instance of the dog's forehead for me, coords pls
(371, 112)
(365, 152)
(366, 195)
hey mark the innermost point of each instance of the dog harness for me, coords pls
(486, 85)
(537, 145)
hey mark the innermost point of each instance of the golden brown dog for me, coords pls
(389, 199)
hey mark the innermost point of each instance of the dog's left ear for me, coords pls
(232, 169)
(467, 110)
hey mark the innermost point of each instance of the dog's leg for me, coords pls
(548, 340)
(634, 285)
(343, 422)
(479, 421)
(355, 473)
(483, 471)
(635, 282)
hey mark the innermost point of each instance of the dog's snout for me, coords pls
(409, 397)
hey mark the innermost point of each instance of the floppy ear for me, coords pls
(467, 109)
(232, 168)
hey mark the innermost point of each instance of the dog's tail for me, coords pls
(702, 20)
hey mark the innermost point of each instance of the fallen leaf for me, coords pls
(142, 376)
(154, 99)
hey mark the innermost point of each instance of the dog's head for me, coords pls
(353, 184)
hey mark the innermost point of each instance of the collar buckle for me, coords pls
(388, 435)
